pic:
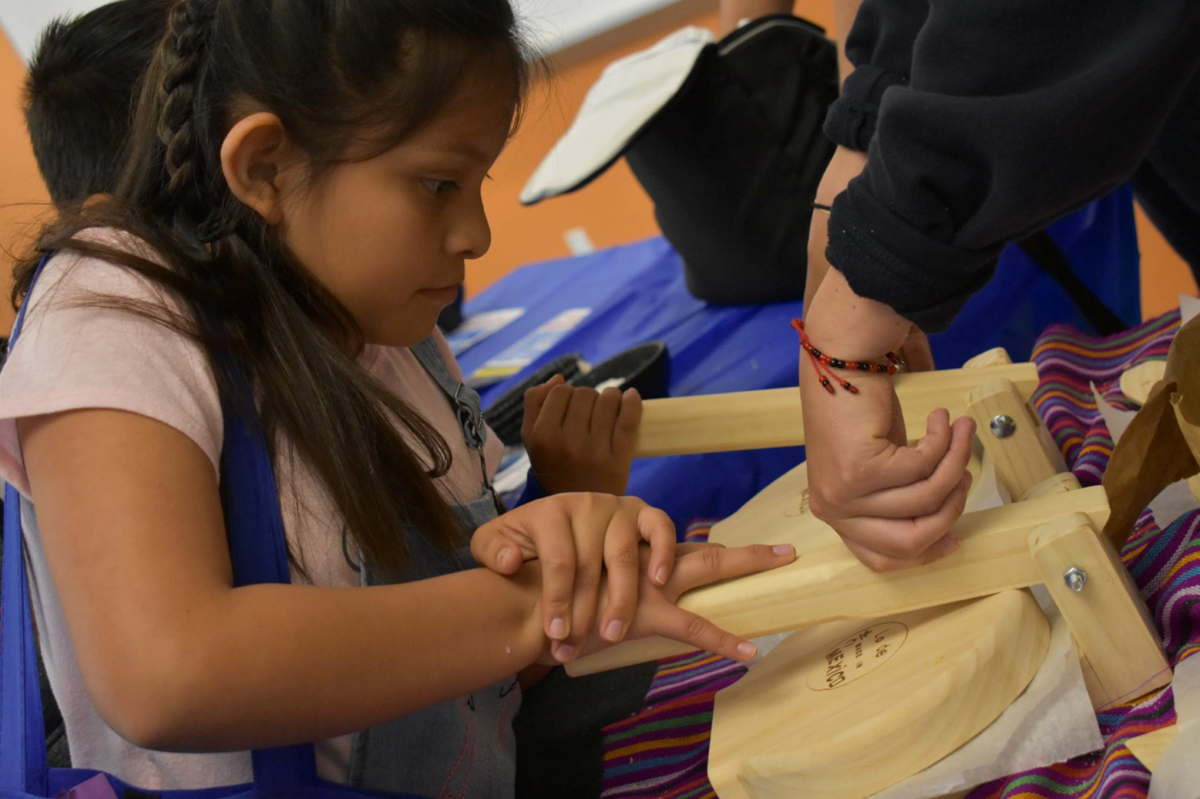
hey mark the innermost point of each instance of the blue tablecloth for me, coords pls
(637, 293)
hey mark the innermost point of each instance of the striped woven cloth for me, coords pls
(663, 751)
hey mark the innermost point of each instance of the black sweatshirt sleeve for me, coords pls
(1016, 112)
(880, 46)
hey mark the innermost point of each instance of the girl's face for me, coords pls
(389, 236)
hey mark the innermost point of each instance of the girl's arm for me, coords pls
(175, 658)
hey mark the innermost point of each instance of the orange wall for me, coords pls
(23, 198)
(1165, 275)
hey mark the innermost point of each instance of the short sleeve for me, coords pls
(73, 354)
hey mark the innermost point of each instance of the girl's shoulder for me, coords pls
(93, 339)
(71, 277)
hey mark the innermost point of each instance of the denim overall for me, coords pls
(463, 747)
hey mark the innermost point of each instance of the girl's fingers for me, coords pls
(556, 551)
(713, 564)
(657, 529)
(590, 534)
(493, 550)
(622, 559)
(907, 540)
(701, 633)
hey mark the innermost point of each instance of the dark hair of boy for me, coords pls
(80, 93)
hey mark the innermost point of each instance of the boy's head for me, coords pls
(83, 83)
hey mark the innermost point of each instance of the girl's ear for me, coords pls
(253, 158)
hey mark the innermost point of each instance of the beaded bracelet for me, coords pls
(825, 364)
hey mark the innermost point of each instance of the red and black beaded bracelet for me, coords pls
(825, 364)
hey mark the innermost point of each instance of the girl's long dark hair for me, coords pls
(333, 71)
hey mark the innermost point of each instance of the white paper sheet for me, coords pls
(1050, 722)
(1188, 308)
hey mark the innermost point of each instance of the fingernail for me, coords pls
(632, 392)
(612, 632)
(949, 544)
(558, 629)
(660, 576)
(747, 649)
(784, 549)
(564, 652)
(504, 559)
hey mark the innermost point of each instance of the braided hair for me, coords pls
(183, 54)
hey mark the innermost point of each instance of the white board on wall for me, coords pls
(24, 19)
(551, 24)
(555, 24)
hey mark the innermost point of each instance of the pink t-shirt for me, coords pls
(70, 357)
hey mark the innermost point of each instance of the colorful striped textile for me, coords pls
(663, 751)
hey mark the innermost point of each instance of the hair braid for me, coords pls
(183, 54)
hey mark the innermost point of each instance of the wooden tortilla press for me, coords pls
(895, 671)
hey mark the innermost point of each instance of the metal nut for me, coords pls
(1075, 579)
(1003, 426)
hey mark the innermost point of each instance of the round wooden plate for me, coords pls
(847, 709)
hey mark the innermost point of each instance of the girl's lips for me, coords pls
(443, 296)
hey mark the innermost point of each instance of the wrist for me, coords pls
(851, 327)
(531, 636)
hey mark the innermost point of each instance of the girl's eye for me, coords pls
(438, 186)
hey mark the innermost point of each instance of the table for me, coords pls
(637, 293)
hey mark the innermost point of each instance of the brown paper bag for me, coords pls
(1162, 444)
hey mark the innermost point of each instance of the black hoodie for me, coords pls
(986, 120)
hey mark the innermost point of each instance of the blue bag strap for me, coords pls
(23, 766)
(258, 553)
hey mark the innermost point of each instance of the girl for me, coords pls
(302, 191)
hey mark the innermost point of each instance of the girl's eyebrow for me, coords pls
(465, 149)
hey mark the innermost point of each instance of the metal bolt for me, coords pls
(1075, 578)
(1003, 426)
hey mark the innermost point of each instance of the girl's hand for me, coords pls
(580, 439)
(697, 565)
(582, 540)
(892, 504)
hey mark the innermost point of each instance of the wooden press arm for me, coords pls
(772, 418)
(830, 584)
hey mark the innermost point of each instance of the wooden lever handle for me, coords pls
(772, 418)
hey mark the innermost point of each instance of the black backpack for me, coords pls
(740, 140)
